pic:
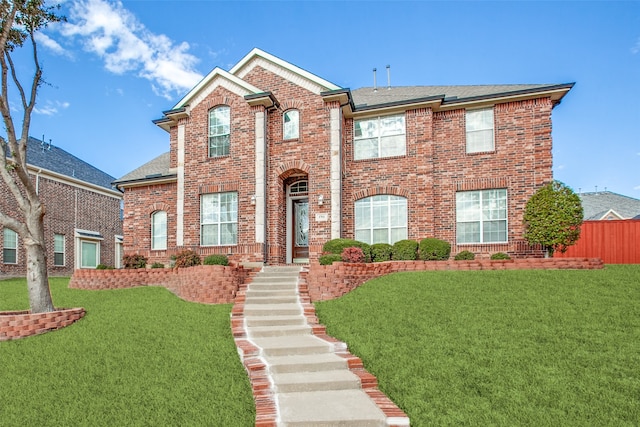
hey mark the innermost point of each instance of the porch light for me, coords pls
(252, 199)
(320, 200)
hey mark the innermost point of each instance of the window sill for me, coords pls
(475, 153)
(375, 159)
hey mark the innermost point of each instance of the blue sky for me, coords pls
(115, 66)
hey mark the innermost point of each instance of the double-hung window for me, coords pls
(219, 219)
(291, 124)
(481, 216)
(381, 219)
(219, 131)
(10, 247)
(479, 125)
(58, 250)
(159, 230)
(379, 137)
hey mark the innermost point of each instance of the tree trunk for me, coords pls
(37, 276)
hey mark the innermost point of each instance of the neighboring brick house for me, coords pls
(267, 162)
(83, 220)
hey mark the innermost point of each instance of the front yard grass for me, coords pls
(139, 357)
(500, 347)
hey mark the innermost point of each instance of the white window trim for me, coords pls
(153, 229)
(14, 249)
(64, 250)
(493, 131)
(482, 221)
(119, 250)
(378, 118)
(284, 125)
(219, 223)
(210, 135)
(388, 226)
(90, 237)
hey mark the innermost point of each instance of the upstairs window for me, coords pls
(10, 251)
(219, 219)
(479, 130)
(379, 137)
(381, 219)
(58, 250)
(291, 124)
(481, 216)
(159, 230)
(219, 131)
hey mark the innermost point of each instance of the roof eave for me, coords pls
(398, 106)
(140, 182)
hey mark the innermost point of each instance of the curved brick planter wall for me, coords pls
(20, 324)
(210, 284)
(327, 282)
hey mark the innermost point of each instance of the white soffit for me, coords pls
(286, 70)
(216, 78)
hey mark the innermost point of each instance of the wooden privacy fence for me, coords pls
(614, 242)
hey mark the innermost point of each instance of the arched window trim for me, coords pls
(159, 230)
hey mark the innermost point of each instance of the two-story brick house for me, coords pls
(267, 162)
(83, 220)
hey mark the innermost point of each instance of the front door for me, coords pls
(300, 227)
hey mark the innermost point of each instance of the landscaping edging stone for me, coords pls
(21, 324)
(326, 282)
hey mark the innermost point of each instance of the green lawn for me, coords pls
(139, 357)
(500, 347)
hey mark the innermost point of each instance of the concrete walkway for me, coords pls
(299, 375)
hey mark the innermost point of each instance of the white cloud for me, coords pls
(46, 41)
(113, 33)
(636, 47)
(636, 187)
(51, 108)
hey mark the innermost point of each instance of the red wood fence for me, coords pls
(615, 242)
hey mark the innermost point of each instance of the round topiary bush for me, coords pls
(354, 255)
(405, 250)
(216, 259)
(432, 249)
(336, 246)
(499, 256)
(328, 259)
(381, 252)
(465, 256)
(187, 258)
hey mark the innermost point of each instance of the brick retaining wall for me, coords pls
(210, 284)
(20, 324)
(327, 282)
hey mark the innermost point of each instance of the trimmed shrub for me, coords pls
(353, 255)
(432, 249)
(336, 246)
(500, 255)
(328, 259)
(381, 252)
(103, 267)
(187, 258)
(405, 250)
(157, 265)
(465, 256)
(216, 260)
(134, 261)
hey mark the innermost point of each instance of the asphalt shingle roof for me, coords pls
(597, 204)
(367, 96)
(57, 160)
(157, 167)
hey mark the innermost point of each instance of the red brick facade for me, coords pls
(435, 167)
(71, 206)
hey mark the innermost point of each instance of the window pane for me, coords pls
(10, 252)
(381, 219)
(365, 149)
(219, 121)
(398, 234)
(468, 232)
(481, 216)
(89, 253)
(58, 259)
(379, 137)
(58, 243)
(392, 146)
(159, 230)
(363, 236)
(291, 124)
(219, 219)
(495, 231)
(9, 256)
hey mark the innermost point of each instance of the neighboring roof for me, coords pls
(598, 204)
(368, 97)
(55, 159)
(157, 168)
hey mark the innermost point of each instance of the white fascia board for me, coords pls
(208, 79)
(74, 182)
(284, 64)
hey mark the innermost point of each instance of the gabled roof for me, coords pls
(48, 157)
(599, 205)
(155, 170)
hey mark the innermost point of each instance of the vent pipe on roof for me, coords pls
(375, 85)
(388, 77)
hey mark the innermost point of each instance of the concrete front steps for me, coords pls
(299, 375)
